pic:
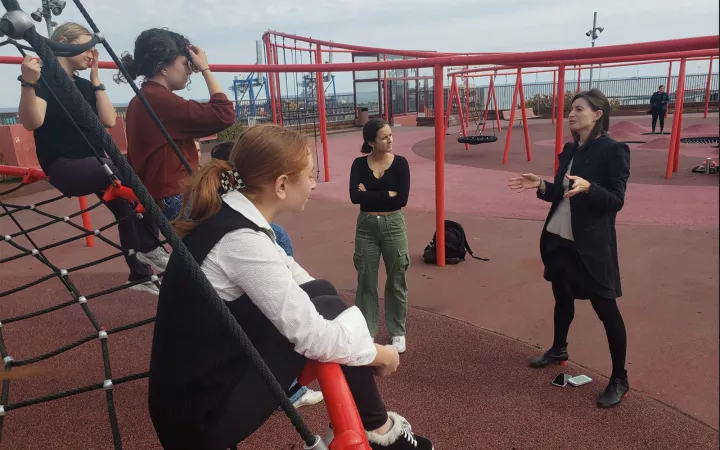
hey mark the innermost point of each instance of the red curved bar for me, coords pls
(117, 190)
(29, 175)
(636, 59)
(346, 424)
(593, 55)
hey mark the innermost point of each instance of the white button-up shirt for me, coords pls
(250, 262)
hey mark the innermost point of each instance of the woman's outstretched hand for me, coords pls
(524, 182)
(580, 185)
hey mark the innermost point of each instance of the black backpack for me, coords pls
(456, 245)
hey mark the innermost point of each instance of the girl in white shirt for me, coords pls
(203, 390)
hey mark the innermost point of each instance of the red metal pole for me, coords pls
(675, 133)
(386, 113)
(341, 407)
(579, 71)
(497, 111)
(560, 116)
(460, 113)
(487, 103)
(707, 90)
(277, 86)
(679, 111)
(439, 168)
(271, 78)
(524, 116)
(467, 101)
(451, 94)
(87, 223)
(513, 108)
(667, 88)
(554, 99)
(321, 113)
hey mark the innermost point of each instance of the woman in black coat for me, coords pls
(578, 244)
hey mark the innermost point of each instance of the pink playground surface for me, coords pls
(472, 328)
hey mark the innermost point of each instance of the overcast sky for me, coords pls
(227, 29)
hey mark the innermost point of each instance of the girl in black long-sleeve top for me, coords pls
(578, 244)
(380, 184)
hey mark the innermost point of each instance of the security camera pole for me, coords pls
(593, 34)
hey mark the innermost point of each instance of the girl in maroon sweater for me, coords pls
(167, 60)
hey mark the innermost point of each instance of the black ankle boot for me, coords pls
(615, 392)
(558, 355)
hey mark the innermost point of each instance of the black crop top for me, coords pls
(377, 198)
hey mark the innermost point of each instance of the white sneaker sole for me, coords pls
(148, 262)
(143, 288)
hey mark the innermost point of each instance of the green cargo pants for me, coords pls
(386, 236)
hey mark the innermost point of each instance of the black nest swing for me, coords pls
(478, 138)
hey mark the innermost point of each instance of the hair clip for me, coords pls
(230, 181)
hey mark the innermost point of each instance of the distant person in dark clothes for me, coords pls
(578, 244)
(658, 107)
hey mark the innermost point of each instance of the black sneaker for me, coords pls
(400, 437)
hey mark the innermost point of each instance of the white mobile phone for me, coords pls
(579, 380)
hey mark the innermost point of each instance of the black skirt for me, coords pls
(564, 265)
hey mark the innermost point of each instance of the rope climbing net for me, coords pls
(25, 246)
(17, 25)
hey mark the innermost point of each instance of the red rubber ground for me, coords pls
(464, 383)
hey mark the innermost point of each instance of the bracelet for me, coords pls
(24, 83)
(203, 71)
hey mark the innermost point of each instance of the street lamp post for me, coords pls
(49, 8)
(593, 34)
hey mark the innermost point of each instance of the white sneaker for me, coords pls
(399, 343)
(309, 398)
(157, 258)
(147, 286)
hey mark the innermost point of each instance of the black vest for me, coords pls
(195, 360)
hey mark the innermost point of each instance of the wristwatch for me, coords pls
(99, 87)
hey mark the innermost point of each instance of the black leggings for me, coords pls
(251, 402)
(85, 176)
(606, 310)
(658, 114)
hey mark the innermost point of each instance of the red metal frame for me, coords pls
(271, 79)
(439, 88)
(347, 427)
(674, 150)
(560, 116)
(553, 58)
(31, 175)
(554, 96)
(454, 93)
(667, 86)
(707, 90)
(278, 98)
(634, 58)
(321, 112)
